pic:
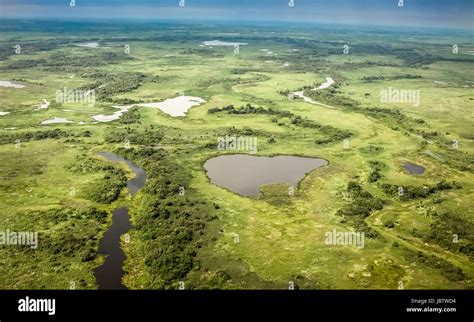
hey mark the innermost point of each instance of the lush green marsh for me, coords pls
(188, 230)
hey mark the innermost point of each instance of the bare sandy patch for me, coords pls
(10, 84)
(56, 120)
(177, 106)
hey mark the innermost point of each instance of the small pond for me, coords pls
(413, 169)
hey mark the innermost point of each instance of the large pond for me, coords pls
(109, 274)
(245, 174)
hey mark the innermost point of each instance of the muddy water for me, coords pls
(245, 174)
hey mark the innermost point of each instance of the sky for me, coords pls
(418, 13)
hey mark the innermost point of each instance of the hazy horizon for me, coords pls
(422, 13)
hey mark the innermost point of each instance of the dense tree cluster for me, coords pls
(22, 64)
(104, 190)
(376, 167)
(369, 79)
(69, 232)
(148, 136)
(413, 192)
(202, 52)
(62, 61)
(361, 205)
(131, 117)
(332, 134)
(42, 135)
(171, 219)
(109, 84)
(331, 97)
(450, 271)
(451, 231)
(108, 188)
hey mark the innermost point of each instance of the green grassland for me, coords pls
(54, 183)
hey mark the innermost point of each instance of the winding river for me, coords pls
(328, 83)
(109, 274)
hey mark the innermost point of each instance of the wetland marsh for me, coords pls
(166, 93)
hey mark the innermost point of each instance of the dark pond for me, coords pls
(109, 274)
(413, 169)
(245, 174)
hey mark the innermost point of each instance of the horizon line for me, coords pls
(243, 22)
